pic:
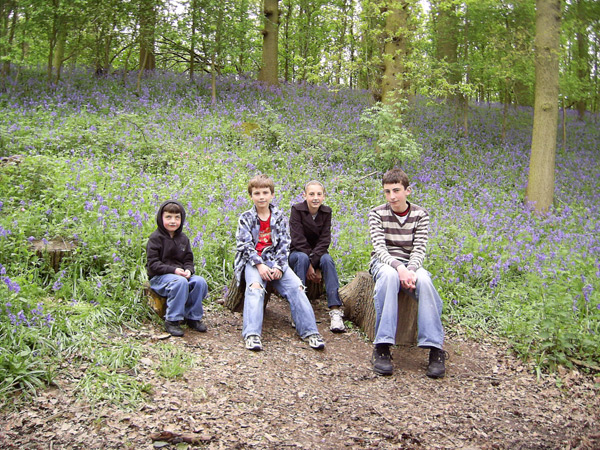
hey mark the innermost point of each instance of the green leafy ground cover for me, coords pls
(99, 158)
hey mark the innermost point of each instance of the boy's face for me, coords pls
(395, 195)
(171, 221)
(261, 197)
(314, 197)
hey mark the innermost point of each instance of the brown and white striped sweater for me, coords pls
(394, 243)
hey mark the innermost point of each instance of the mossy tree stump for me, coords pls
(359, 307)
(53, 250)
(234, 300)
(155, 301)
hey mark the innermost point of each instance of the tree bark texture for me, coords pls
(583, 70)
(540, 186)
(269, 68)
(155, 301)
(147, 59)
(53, 251)
(395, 51)
(359, 308)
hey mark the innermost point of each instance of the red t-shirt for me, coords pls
(264, 235)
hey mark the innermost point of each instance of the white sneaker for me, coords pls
(253, 343)
(337, 321)
(316, 341)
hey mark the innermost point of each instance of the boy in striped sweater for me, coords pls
(398, 231)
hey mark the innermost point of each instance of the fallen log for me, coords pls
(359, 308)
(155, 301)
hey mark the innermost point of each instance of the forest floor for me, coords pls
(290, 396)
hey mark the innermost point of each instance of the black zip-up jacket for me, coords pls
(310, 236)
(166, 253)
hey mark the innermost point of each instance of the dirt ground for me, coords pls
(290, 396)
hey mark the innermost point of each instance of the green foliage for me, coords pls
(173, 361)
(394, 144)
(102, 385)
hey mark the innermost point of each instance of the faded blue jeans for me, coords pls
(290, 288)
(387, 286)
(300, 262)
(184, 297)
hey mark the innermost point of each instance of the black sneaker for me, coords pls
(437, 363)
(173, 328)
(382, 360)
(196, 325)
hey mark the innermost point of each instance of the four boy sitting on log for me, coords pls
(399, 233)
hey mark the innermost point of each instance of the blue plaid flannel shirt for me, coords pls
(246, 236)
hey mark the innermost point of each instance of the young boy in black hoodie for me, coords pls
(171, 270)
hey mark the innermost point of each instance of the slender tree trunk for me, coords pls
(394, 54)
(286, 35)
(59, 52)
(147, 22)
(215, 55)
(540, 186)
(193, 42)
(10, 25)
(583, 72)
(447, 33)
(269, 71)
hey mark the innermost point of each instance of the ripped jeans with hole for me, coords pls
(289, 287)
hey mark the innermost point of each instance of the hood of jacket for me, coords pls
(159, 220)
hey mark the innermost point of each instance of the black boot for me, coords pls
(196, 325)
(437, 363)
(382, 360)
(173, 328)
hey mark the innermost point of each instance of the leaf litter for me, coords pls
(290, 396)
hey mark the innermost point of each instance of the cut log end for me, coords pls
(155, 301)
(53, 250)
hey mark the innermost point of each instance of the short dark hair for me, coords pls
(394, 176)
(172, 208)
(261, 181)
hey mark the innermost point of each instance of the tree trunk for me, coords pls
(269, 70)
(193, 39)
(286, 36)
(540, 186)
(359, 307)
(8, 34)
(147, 60)
(583, 71)
(394, 54)
(59, 52)
(446, 30)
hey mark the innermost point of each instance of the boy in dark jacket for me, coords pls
(310, 228)
(171, 270)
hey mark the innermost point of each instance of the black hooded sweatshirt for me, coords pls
(166, 253)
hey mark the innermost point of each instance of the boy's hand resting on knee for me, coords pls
(408, 279)
(313, 275)
(268, 274)
(184, 273)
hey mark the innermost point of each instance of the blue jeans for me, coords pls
(290, 288)
(300, 262)
(387, 286)
(184, 297)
